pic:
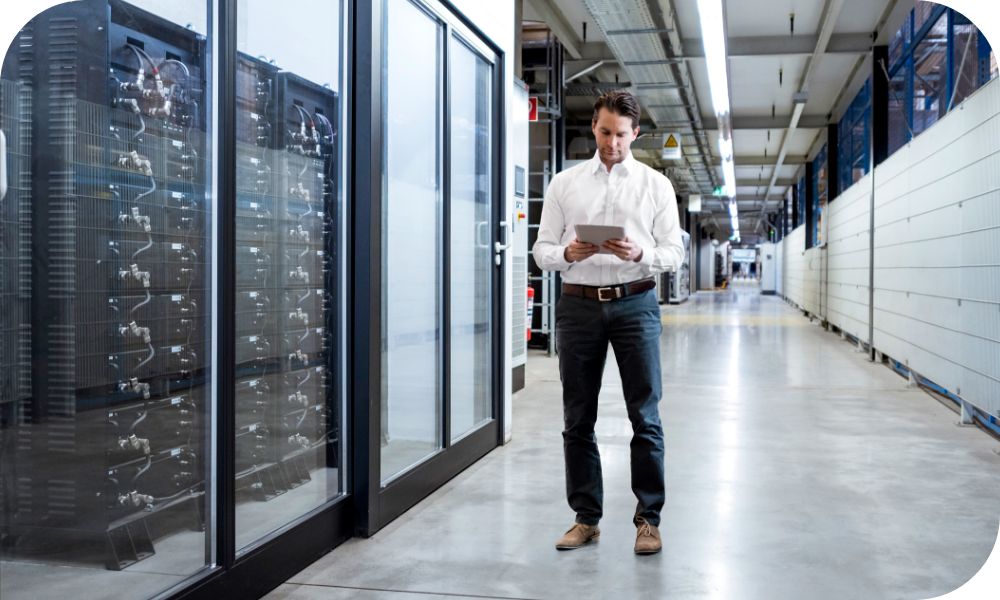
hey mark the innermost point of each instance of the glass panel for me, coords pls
(923, 13)
(845, 146)
(930, 60)
(821, 194)
(289, 446)
(412, 230)
(471, 254)
(801, 201)
(965, 59)
(105, 301)
(860, 150)
(899, 115)
(899, 41)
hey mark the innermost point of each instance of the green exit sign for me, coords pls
(718, 191)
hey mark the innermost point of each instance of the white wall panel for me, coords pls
(812, 285)
(779, 265)
(937, 252)
(848, 250)
(801, 272)
(793, 261)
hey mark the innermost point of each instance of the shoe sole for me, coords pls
(593, 539)
(647, 552)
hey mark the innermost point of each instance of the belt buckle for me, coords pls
(611, 295)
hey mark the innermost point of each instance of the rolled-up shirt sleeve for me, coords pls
(549, 250)
(668, 253)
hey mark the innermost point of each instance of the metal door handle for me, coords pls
(482, 234)
(504, 234)
(499, 247)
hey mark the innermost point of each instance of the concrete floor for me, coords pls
(795, 469)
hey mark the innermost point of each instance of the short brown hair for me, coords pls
(619, 102)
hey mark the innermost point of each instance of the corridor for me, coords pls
(795, 468)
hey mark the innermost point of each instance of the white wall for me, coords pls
(801, 271)
(936, 254)
(847, 295)
(937, 251)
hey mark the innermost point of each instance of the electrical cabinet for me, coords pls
(679, 286)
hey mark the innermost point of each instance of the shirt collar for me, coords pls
(628, 165)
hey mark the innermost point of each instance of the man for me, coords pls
(609, 297)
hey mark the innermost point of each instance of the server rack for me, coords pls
(286, 268)
(108, 443)
(15, 274)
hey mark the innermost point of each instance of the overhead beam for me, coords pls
(741, 198)
(783, 45)
(778, 45)
(760, 183)
(778, 122)
(554, 18)
(747, 161)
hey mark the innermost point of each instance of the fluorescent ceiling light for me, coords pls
(729, 175)
(728, 166)
(714, 40)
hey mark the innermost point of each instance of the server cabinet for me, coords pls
(15, 276)
(107, 446)
(286, 279)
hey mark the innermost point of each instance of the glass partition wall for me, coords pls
(178, 283)
(106, 238)
(289, 223)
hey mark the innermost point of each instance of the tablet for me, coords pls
(598, 234)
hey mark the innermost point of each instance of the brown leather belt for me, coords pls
(611, 292)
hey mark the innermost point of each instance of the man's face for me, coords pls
(614, 134)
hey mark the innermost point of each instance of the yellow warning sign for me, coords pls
(671, 149)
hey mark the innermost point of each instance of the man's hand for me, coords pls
(577, 251)
(625, 249)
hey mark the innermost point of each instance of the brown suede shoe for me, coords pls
(578, 535)
(647, 538)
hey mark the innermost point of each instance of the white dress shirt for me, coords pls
(633, 196)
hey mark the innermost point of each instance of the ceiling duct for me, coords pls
(638, 47)
(636, 40)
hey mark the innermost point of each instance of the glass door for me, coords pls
(437, 234)
(412, 243)
(471, 251)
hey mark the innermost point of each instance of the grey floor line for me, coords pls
(422, 593)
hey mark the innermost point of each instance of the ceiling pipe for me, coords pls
(831, 12)
(583, 72)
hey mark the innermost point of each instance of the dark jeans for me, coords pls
(583, 329)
